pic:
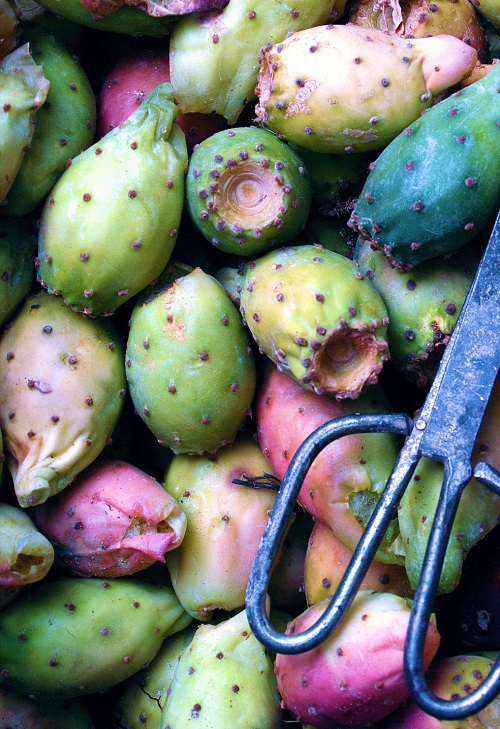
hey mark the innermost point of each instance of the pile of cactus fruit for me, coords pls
(224, 223)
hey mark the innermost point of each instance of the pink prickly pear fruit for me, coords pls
(126, 86)
(325, 563)
(451, 678)
(356, 676)
(113, 520)
(26, 555)
(347, 476)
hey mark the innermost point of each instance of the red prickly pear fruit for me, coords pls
(356, 676)
(113, 520)
(129, 82)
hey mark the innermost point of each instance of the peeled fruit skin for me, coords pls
(190, 371)
(123, 194)
(76, 636)
(381, 84)
(356, 676)
(113, 520)
(317, 318)
(26, 555)
(225, 522)
(247, 191)
(62, 385)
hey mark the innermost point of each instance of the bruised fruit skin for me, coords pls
(113, 520)
(109, 225)
(62, 386)
(26, 555)
(317, 318)
(247, 191)
(356, 676)
(190, 371)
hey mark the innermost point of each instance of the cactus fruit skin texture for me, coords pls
(17, 263)
(65, 125)
(190, 371)
(317, 318)
(356, 676)
(228, 43)
(23, 90)
(247, 191)
(62, 386)
(436, 185)
(223, 680)
(72, 636)
(490, 10)
(109, 225)
(26, 555)
(381, 83)
(9, 27)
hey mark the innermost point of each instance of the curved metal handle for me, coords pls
(365, 550)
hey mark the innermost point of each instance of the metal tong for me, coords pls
(444, 429)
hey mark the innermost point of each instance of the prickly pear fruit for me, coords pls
(450, 678)
(224, 679)
(325, 563)
(75, 636)
(346, 478)
(18, 711)
(65, 125)
(229, 43)
(225, 522)
(9, 27)
(127, 188)
(286, 586)
(62, 385)
(488, 10)
(23, 90)
(317, 318)
(189, 368)
(26, 555)
(329, 686)
(415, 205)
(17, 263)
(247, 191)
(113, 520)
(381, 83)
(423, 305)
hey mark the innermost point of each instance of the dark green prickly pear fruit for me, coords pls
(223, 680)
(247, 191)
(436, 185)
(62, 386)
(76, 636)
(229, 42)
(189, 367)
(109, 225)
(23, 90)
(17, 263)
(18, 711)
(423, 305)
(65, 124)
(26, 555)
(314, 314)
(328, 233)
(381, 83)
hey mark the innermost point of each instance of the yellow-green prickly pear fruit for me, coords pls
(26, 555)
(62, 387)
(380, 83)
(75, 636)
(23, 90)
(109, 225)
(223, 680)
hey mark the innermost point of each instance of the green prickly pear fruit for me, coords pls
(62, 386)
(423, 305)
(415, 205)
(75, 636)
(18, 711)
(488, 10)
(224, 679)
(17, 263)
(127, 188)
(381, 83)
(328, 233)
(247, 191)
(229, 42)
(26, 555)
(314, 314)
(65, 125)
(23, 90)
(225, 522)
(190, 370)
